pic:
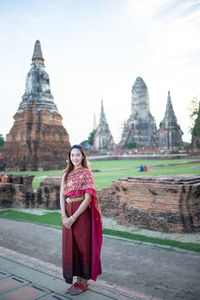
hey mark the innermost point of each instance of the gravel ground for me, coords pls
(157, 271)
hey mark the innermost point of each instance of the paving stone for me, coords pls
(4, 274)
(10, 283)
(29, 292)
(54, 296)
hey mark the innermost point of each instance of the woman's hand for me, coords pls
(67, 222)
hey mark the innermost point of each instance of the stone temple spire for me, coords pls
(103, 139)
(102, 115)
(37, 92)
(140, 99)
(140, 128)
(170, 118)
(37, 54)
(170, 133)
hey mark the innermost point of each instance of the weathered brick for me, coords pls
(166, 203)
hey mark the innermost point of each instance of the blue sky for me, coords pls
(95, 49)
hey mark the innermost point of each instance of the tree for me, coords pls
(2, 141)
(84, 143)
(131, 145)
(194, 109)
(90, 141)
(196, 129)
(91, 137)
(195, 117)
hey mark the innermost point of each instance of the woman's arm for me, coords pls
(62, 197)
(83, 206)
(69, 221)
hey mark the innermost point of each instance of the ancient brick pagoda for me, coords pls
(37, 140)
(103, 139)
(170, 133)
(140, 127)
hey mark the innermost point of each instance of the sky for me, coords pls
(95, 49)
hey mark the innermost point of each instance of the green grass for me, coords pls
(109, 170)
(153, 240)
(131, 164)
(54, 219)
(103, 179)
(39, 175)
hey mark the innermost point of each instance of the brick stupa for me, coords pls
(37, 141)
(170, 133)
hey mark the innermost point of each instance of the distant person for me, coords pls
(3, 177)
(141, 168)
(82, 226)
(146, 169)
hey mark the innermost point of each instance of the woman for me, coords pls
(82, 226)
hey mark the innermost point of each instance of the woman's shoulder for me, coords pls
(87, 172)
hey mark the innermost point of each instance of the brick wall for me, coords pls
(48, 194)
(164, 203)
(17, 191)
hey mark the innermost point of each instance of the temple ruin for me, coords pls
(37, 141)
(170, 133)
(164, 203)
(103, 139)
(140, 128)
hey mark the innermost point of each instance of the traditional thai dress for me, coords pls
(81, 244)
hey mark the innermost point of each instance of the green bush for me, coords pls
(131, 145)
(2, 141)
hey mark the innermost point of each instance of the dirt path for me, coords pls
(145, 268)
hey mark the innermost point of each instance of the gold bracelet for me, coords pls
(63, 216)
(72, 218)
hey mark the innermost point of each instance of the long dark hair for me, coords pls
(70, 166)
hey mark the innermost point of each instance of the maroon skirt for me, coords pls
(76, 245)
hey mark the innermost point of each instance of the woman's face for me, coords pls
(76, 157)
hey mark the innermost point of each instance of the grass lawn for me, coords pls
(134, 164)
(113, 170)
(54, 219)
